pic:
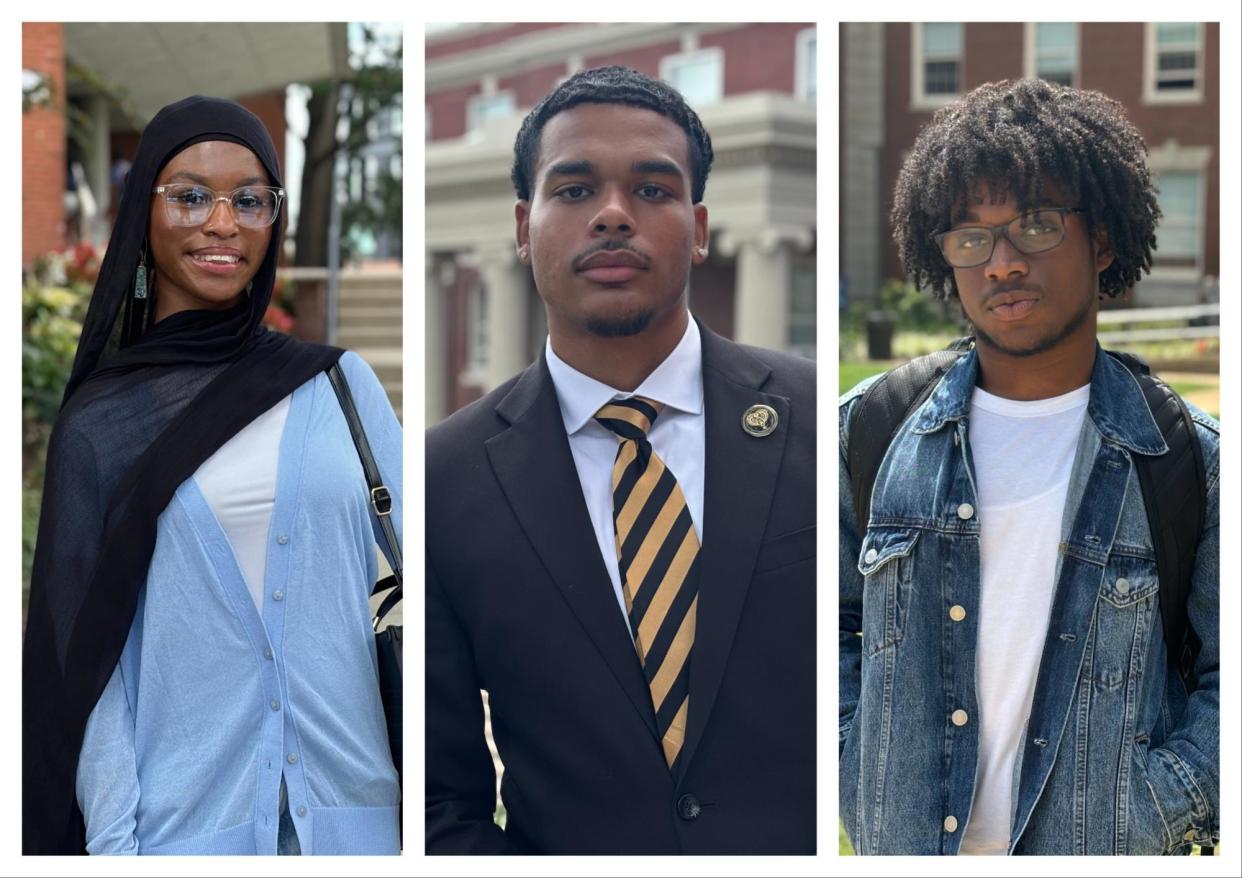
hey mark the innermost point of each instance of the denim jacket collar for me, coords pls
(1117, 406)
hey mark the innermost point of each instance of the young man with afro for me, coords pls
(1005, 685)
(621, 539)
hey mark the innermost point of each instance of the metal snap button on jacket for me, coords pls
(688, 807)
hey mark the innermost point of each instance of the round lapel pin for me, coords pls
(759, 420)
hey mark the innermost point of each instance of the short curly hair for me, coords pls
(611, 85)
(1020, 135)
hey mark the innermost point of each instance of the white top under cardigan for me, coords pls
(239, 484)
(213, 699)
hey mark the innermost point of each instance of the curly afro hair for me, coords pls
(611, 85)
(1019, 136)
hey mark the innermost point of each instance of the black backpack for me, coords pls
(1173, 484)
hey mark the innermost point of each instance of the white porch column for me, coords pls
(507, 290)
(99, 164)
(761, 296)
(435, 338)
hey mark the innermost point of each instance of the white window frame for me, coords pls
(918, 99)
(712, 52)
(478, 348)
(1029, 50)
(795, 318)
(1172, 157)
(472, 123)
(802, 82)
(1150, 94)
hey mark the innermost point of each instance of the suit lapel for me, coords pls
(535, 469)
(741, 473)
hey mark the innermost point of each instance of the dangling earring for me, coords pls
(249, 287)
(140, 277)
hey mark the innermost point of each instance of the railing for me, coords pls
(1197, 322)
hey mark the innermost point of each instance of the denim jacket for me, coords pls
(1117, 758)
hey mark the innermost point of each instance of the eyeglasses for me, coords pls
(1031, 232)
(188, 204)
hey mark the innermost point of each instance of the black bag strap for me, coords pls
(381, 498)
(883, 408)
(1174, 494)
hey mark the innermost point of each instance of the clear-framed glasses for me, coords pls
(1032, 232)
(189, 204)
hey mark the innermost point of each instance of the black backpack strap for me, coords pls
(880, 411)
(1174, 488)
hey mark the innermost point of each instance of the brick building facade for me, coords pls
(1166, 75)
(753, 85)
(43, 144)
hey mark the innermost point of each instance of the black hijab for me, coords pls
(145, 405)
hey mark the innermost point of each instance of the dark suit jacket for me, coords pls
(519, 603)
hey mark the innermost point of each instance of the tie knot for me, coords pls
(629, 418)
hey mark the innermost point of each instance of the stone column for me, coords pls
(761, 296)
(435, 337)
(99, 164)
(505, 281)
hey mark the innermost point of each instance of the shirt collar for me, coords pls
(1117, 405)
(677, 382)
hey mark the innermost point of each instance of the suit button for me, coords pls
(957, 612)
(959, 717)
(965, 511)
(950, 824)
(688, 807)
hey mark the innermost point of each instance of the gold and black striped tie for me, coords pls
(656, 550)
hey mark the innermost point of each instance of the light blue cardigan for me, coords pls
(211, 701)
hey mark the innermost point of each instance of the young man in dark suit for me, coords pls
(621, 539)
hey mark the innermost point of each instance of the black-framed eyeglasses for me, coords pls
(189, 204)
(1032, 232)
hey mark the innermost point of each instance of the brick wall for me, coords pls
(43, 145)
(1110, 61)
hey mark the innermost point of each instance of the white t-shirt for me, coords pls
(239, 483)
(1023, 452)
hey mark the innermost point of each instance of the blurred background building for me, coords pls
(754, 87)
(329, 95)
(894, 75)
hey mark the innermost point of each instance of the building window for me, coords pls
(804, 65)
(476, 329)
(481, 108)
(1173, 72)
(802, 307)
(1052, 51)
(698, 75)
(1179, 237)
(937, 62)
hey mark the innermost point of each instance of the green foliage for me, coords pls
(372, 115)
(54, 299)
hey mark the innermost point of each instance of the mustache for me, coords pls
(1016, 286)
(609, 247)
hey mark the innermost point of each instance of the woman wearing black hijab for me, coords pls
(199, 667)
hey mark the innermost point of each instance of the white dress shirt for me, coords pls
(677, 437)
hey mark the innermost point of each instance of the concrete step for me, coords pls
(387, 293)
(372, 336)
(352, 312)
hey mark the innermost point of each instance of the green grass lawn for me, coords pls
(854, 371)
